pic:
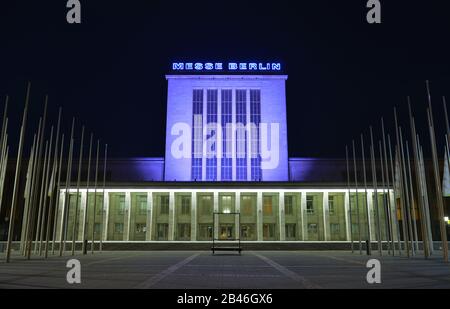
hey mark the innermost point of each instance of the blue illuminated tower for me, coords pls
(226, 128)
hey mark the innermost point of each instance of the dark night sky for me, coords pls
(344, 74)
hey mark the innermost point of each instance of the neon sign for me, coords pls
(231, 66)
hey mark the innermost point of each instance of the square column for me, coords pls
(83, 210)
(249, 136)
(233, 135)
(304, 216)
(216, 209)
(205, 123)
(281, 217)
(219, 138)
(127, 227)
(61, 205)
(373, 230)
(326, 217)
(393, 215)
(106, 216)
(148, 233)
(259, 216)
(171, 215)
(369, 214)
(347, 215)
(194, 216)
(237, 206)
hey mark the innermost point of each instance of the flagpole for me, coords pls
(29, 202)
(65, 212)
(440, 201)
(407, 194)
(44, 199)
(5, 117)
(36, 181)
(3, 142)
(87, 196)
(75, 219)
(12, 216)
(369, 232)
(26, 195)
(104, 196)
(425, 197)
(392, 220)
(51, 186)
(58, 194)
(375, 186)
(447, 125)
(46, 158)
(95, 196)
(399, 240)
(3, 166)
(356, 197)
(413, 208)
(419, 188)
(385, 206)
(349, 201)
(402, 192)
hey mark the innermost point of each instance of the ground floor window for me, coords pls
(226, 232)
(268, 231)
(118, 228)
(355, 228)
(205, 232)
(97, 228)
(248, 232)
(312, 228)
(141, 228)
(335, 228)
(184, 231)
(162, 231)
(290, 231)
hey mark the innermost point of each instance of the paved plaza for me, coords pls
(201, 269)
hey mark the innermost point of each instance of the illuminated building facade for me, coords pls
(227, 151)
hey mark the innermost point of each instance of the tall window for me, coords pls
(255, 120)
(197, 134)
(206, 206)
(121, 209)
(268, 231)
(288, 205)
(331, 205)
(227, 120)
(211, 137)
(118, 228)
(226, 206)
(290, 230)
(184, 231)
(185, 205)
(142, 204)
(241, 135)
(164, 205)
(247, 207)
(310, 205)
(268, 206)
